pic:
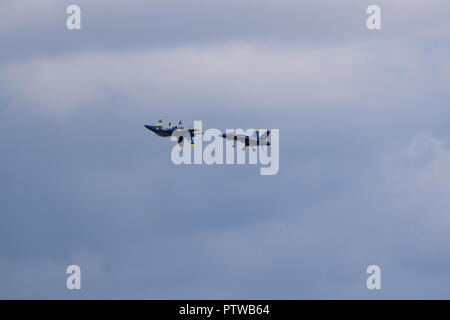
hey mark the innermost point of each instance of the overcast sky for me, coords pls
(364, 153)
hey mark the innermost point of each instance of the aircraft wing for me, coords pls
(239, 137)
(183, 132)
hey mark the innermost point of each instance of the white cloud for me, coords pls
(421, 168)
(241, 75)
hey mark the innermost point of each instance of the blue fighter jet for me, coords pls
(177, 130)
(248, 141)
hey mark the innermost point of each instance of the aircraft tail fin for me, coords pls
(265, 135)
(191, 133)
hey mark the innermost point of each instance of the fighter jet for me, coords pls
(248, 141)
(177, 130)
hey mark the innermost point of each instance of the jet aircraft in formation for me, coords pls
(177, 130)
(181, 132)
(248, 141)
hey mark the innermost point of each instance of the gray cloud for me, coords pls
(363, 174)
